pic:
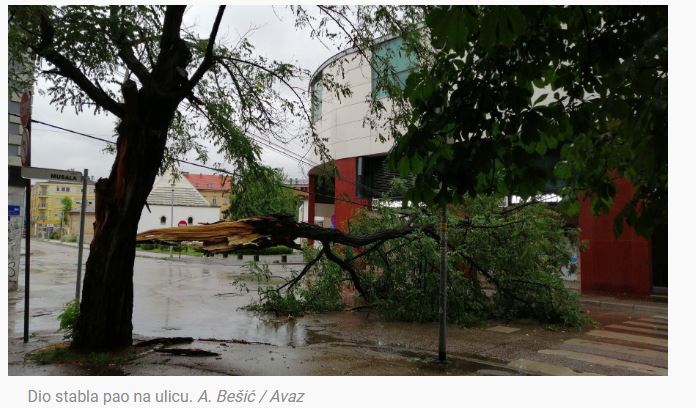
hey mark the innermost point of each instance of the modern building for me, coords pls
(176, 202)
(215, 188)
(628, 265)
(47, 204)
(362, 172)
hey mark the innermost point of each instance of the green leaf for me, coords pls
(404, 166)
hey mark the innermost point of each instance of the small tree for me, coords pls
(67, 205)
(261, 191)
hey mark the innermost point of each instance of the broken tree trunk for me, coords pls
(266, 231)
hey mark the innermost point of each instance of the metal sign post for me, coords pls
(29, 173)
(82, 236)
(27, 250)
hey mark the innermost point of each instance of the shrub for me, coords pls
(276, 250)
(68, 318)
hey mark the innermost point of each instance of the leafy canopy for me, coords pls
(261, 191)
(525, 100)
(226, 93)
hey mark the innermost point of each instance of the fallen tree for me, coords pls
(266, 231)
(503, 263)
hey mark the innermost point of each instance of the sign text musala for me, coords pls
(64, 177)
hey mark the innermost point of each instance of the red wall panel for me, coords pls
(344, 206)
(618, 266)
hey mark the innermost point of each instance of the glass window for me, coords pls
(391, 64)
(163, 220)
(214, 201)
(190, 220)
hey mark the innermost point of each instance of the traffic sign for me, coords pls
(51, 174)
(25, 109)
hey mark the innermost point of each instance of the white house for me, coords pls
(172, 201)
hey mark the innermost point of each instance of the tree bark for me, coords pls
(107, 298)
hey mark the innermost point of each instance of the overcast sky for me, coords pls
(275, 37)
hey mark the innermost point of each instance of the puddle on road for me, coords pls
(199, 300)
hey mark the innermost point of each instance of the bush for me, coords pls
(319, 291)
(68, 318)
(276, 250)
(69, 238)
(54, 235)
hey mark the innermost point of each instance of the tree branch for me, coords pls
(125, 52)
(46, 50)
(347, 267)
(306, 269)
(275, 75)
(173, 17)
(208, 59)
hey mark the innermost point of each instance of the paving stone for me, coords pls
(628, 337)
(607, 361)
(543, 368)
(503, 329)
(637, 329)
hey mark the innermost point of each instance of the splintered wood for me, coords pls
(228, 236)
(269, 230)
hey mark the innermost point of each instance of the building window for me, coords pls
(373, 178)
(190, 220)
(225, 201)
(67, 189)
(317, 90)
(214, 201)
(391, 66)
(163, 220)
(210, 185)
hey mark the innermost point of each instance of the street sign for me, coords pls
(25, 148)
(25, 109)
(12, 210)
(51, 174)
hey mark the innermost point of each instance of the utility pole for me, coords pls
(80, 242)
(442, 345)
(171, 222)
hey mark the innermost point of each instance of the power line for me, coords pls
(220, 170)
(279, 149)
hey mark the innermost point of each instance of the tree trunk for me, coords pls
(107, 298)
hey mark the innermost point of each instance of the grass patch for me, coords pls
(61, 353)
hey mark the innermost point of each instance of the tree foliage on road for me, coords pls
(520, 98)
(169, 88)
(261, 191)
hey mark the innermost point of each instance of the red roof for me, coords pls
(209, 182)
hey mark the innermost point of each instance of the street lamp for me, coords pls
(171, 221)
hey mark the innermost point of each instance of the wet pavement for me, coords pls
(195, 297)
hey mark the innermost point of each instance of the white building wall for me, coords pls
(341, 121)
(151, 219)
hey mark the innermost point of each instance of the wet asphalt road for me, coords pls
(196, 297)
